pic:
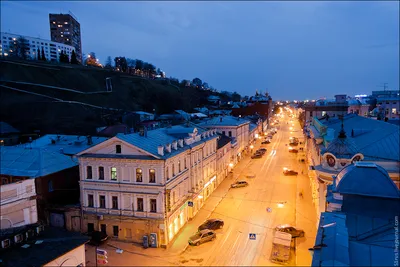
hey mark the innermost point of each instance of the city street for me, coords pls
(244, 211)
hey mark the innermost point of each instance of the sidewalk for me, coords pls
(305, 218)
(180, 244)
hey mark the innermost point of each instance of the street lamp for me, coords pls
(251, 147)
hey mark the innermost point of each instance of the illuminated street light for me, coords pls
(251, 147)
(231, 164)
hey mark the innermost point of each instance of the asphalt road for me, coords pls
(244, 210)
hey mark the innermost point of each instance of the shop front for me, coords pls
(177, 220)
(209, 187)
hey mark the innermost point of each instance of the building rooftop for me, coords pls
(32, 162)
(366, 179)
(6, 128)
(224, 121)
(223, 140)
(376, 140)
(56, 242)
(64, 144)
(152, 139)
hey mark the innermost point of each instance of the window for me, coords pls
(167, 173)
(153, 205)
(103, 228)
(89, 174)
(223, 132)
(118, 149)
(230, 133)
(102, 200)
(173, 197)
(115, 230)
(113, 173)
(140, 204)
(50, 186)
(173, 170)
(115, 202)
(90, 201)
(101, 173)
(179, 166)
(394, 111)
(139, 175)
(152, 176)
(90, 227)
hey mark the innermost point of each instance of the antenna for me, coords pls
(385, 86)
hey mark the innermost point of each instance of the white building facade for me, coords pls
(18, 204)
(234, 127)
(52, 50)
(147, 183)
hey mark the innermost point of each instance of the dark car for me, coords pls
(212, 224)
(262, 149)
(202, 237)
(239, 184)
(256, 156)
(98, 238)
(267, 141)
(292, 150)
(287, 171)
(287, 228)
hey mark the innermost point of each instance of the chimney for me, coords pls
(161, 150)
(180, 142)
(89, 140)
(168, 148)
(175, 145)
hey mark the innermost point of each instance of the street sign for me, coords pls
(101, 257)
(252, 236)
(101, 251)
(102, 261)
(190, 203)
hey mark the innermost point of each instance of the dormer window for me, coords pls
(118, 149)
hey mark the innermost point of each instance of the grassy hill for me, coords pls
(33, 96)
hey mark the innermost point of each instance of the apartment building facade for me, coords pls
(52, 50)
(146, 183)
(65, 28)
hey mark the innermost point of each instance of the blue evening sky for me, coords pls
(295, 50)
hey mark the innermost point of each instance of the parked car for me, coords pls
(262, 149)
(211, 224)
(202, 237)
(98, 238)
(266, 141)
(256, 156)
(239, 184)
(287, 171)
(292, 150)
(287, 228)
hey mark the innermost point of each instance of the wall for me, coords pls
(74, 257)
(18, 204)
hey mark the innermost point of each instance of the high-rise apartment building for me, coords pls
(65, 28)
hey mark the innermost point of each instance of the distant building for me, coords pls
(8, 135)
(51, 49)
(324, 107)
(65, 28)
(388, 103)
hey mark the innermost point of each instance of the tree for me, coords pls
(205, 85)
(197, 82)
(74, 60)
(38, 54)
(131, 63)
(139, 64)
(108, 63)
(61, 56)
(22, 48)
(121, 64)
(43, 55)
(92, 60)
(236, 97)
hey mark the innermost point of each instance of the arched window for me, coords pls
(152, 176)
(331, 161)
(167, 173)
(179, 166)
(139, 175)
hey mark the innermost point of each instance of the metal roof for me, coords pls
(64, 144)
(6, 128)
(367, 180)
(32, 162)
(224, 121)
(163, 136)
(377, 139)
